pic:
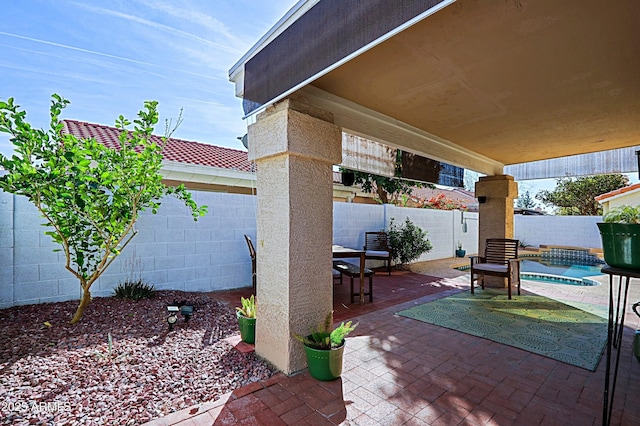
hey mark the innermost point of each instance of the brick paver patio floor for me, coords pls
(399, 371)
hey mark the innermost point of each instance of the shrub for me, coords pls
(408, 241)
(134, 290)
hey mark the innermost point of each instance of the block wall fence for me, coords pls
(171, 251)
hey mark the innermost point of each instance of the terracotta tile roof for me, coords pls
(620, 191)
(176, 149)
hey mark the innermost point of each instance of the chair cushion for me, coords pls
(376, 253)
(490, 267)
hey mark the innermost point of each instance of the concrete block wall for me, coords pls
(6, 249)
(171, 251)
(444, 229)
(352, 220)
(575, 231)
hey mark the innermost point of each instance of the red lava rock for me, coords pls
(147, 373)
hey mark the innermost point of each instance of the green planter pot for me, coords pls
(325, 364)
(621, 244)
(247, 328)
(460, 253)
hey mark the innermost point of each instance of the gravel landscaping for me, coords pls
(55, 373)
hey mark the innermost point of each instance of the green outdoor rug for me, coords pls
(533, 323)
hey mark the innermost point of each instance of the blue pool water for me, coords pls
(565, 270)
(561, 271)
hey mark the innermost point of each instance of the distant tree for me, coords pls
(525, 201)
(89, 195)
(577, 196)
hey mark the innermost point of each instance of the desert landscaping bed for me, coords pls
(52, 372)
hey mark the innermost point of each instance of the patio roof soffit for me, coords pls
(360, 121)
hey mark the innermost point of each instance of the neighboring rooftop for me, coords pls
(177, 150)
(616, 193)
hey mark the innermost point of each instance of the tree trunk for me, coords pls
(382, 194)
(84, 302)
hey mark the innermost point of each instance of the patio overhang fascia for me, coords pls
(236, 73)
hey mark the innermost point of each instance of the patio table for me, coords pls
(340, 252)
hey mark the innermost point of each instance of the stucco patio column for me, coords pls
(495, 213)
(294, 146)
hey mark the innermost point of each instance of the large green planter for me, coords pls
(325, 364)
(621, 244)
(247, 328)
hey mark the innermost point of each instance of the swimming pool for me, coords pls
(560, 266)
(559, 271)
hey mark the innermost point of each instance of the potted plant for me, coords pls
(247, 319)
(324, 348)
(620, 232)
(460, 252)
(348, 177)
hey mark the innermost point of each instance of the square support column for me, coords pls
(294, 146)
(495, 213)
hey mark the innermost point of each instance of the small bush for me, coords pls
(134, 290)
(407, 241)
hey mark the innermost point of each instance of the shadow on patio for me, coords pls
(401, 371)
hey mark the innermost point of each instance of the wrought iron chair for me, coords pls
(500, 259)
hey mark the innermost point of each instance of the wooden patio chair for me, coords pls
(252, 253)
(500, 259)
(376, 246)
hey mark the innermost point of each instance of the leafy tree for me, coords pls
(525, 201)
(577, 196)
(394, 190)
(89, 195)
(388, 189)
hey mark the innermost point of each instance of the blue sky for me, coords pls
(107, 58)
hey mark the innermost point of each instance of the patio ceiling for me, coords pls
(483, 84)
